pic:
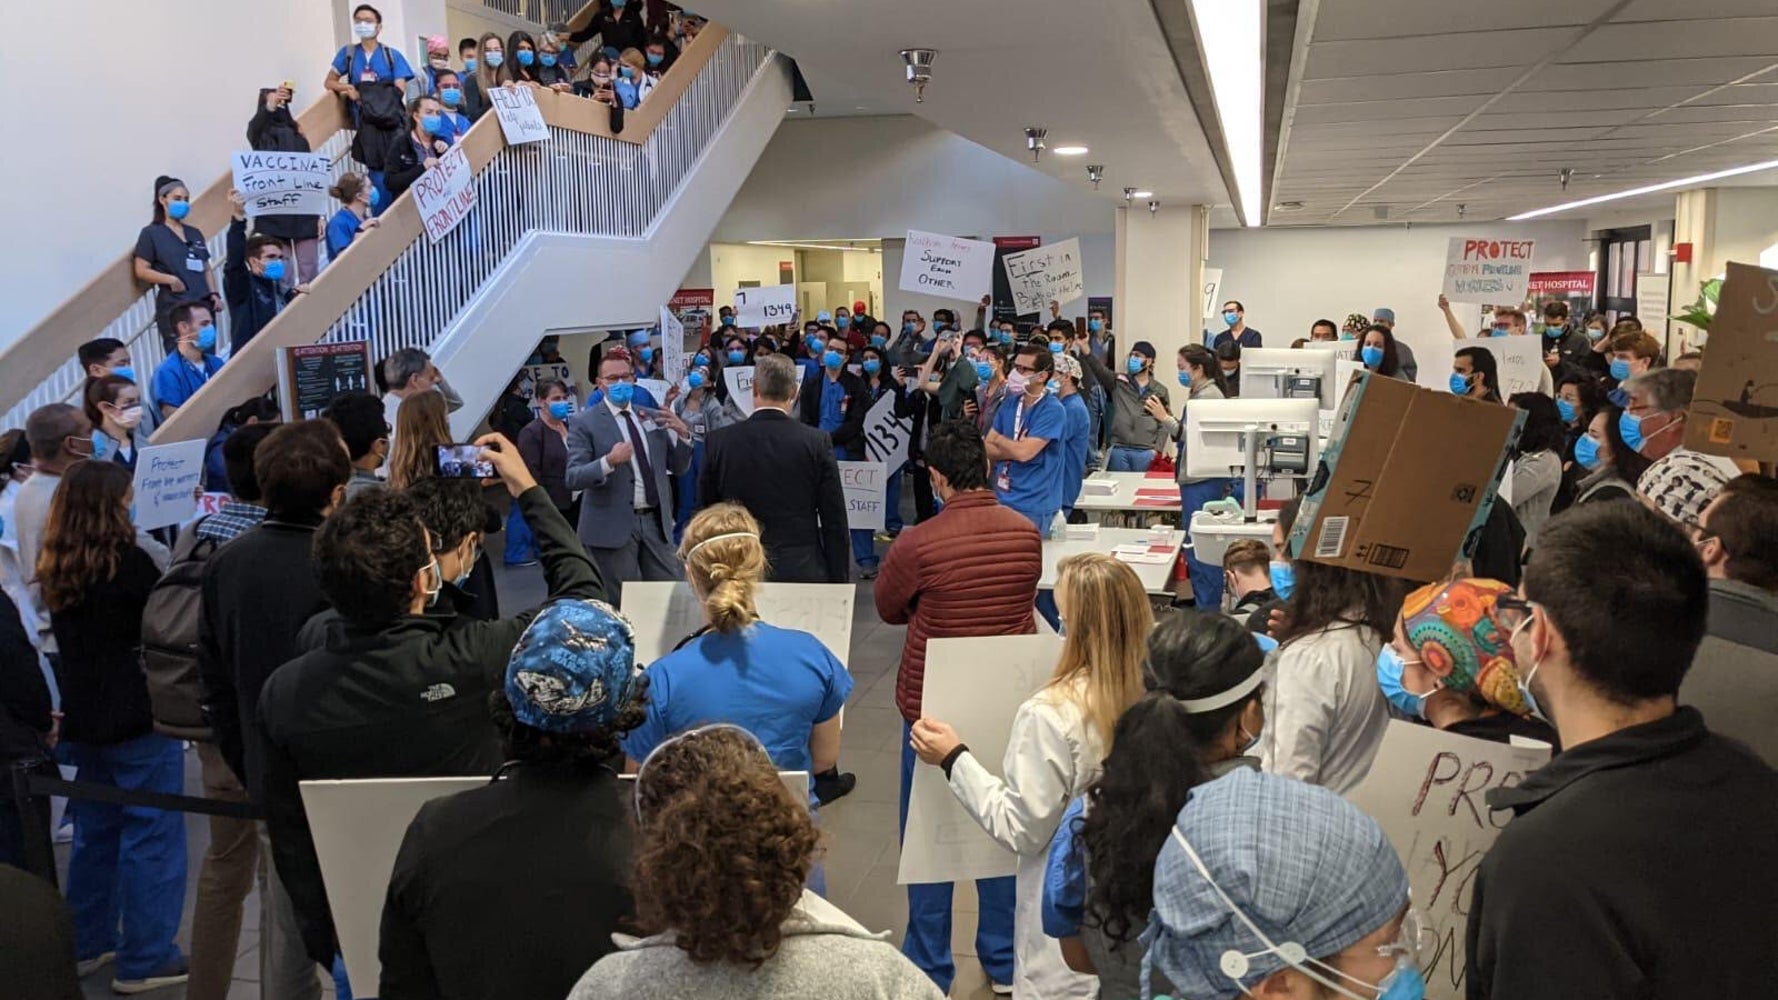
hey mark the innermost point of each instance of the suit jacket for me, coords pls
(784, 473)
(607, 507)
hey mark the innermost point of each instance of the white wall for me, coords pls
(1746, 227)
(1288, 277)
(733, 263)
(158, 91)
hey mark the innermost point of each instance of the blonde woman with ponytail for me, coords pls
(1059, 740)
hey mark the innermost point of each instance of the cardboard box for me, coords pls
(1405, 481)
(1734, 409)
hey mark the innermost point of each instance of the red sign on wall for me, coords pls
(1561, 283)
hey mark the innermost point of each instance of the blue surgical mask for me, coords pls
(1620, 368)
(1594, 334)
(627, 71)
(728, 321)
(548, 58)
(561, 409)
(452, 96)
(433, 124)
(983, 371)
(1185, 377)
(1629, 427)
(1231, 318)
(907, 327)
(375, 196)
(1052, 388)
(207, 338)
(1586, 452)
(1389, 678)
(1525, 678)
(469, 65)
(178, 209)
(736, 357)
(843, 322)
(124, 371)
(646, 354)
(274, 270)
(878, 340)
(1565, 409)
(655, 58)
(437, 574)
(526, 57)
(101, 445)
(1372, 355)
(700, 360)
(695, 380)
(833, 359)
(872, 366)
(1459, 384)
(1499, 331)
(1095, 326)
(1283, 576)
(1055, 347)
(495, 59)
(1133, 364)
(621, 393)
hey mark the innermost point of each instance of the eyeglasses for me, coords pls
(1513, 611)
(1417, 940)
(1024, 369)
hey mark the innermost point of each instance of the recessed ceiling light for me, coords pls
(1648, 189)
(1070, 151)
(1142, 194)
(1288, 206)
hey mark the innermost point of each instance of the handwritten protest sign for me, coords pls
(1212, 285)
(956, 268)
(521, 121)
(976, 685)
(768, 306)
(1489, 271)
(865, 485)
(446, 193)
(167, 478)
(662, 613)
(282, 183)
(656, 387)
(1425, 790)
(1045, 274)
(886, 436)
(1519, 360)
(672, 345)
(740, 387)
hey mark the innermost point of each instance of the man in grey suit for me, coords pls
(619, 455)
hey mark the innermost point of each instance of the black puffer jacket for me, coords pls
(277, 131)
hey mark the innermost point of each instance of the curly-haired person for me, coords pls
(723, 851)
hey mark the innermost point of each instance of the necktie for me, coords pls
(644, 467)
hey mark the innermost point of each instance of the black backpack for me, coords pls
(170, 623)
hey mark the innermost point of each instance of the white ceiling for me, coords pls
(1404, 109)
(1097, 73)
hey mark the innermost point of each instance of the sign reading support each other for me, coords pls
(956, 268)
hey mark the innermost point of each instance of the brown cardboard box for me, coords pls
(1734, 409)
(1405, 481)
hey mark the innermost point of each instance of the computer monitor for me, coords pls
(1215, 430)
(1289, 373)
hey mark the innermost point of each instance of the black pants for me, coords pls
(923, 505)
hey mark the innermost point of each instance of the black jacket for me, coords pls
(405, 162)
(278, 131)
(546, 455)
(258, 590)
(407, 700)
(620, 30)
(99, 670)
(784, 473)
(24, 694)
(1643, 865)
(252, 300)
(509, 892)
(858, 402)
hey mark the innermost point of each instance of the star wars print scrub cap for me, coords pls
(574, 668)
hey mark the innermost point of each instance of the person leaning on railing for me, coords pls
(357, 197)
(418, 151)
(370, 76)
(173, 256)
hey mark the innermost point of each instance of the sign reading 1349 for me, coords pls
(758, 307)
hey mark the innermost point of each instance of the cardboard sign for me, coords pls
(866, 486)
(1734, 409)
(976, 685)
(521, 121)
(1045, 274)
(948, 266)
(762, 307)
(1517, 360)
(887, 436)
(1425, 789)
(311, 375)
(1488, 271)
(1405, 480)
(663, 613)
(166, 483)
(672, 346)
(282, 183)
(446, 193)
(739, 380)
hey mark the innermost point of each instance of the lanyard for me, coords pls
(1018, 420)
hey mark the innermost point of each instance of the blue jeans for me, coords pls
(686, 503)
(1206, 577)
(128, 862)
(928, 940)
(864, 547)
(521, 545)
(1127, 459)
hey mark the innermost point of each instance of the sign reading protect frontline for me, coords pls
(275, 183)
(1043, 275)
(1493, 272)
(446, 193)
(948, 266)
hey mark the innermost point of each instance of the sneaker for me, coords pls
(87, 967)
(883, 538)
(174, 973)
(833, 785)
(1000, 989)
(867, 573)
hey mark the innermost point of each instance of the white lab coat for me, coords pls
(1325, 714)
(1051, 757)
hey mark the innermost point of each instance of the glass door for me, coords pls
(1622, 253)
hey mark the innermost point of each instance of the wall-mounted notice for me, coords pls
(1045, 274)
(1519, 361)
(1425, 790)
(866, 487)
(521, 121)
(310, 375)
(1496, 272)
(740, 387)
(282, 183)
(167, 478)
(768, 306)
(956, 268)
(1651, 303)
(446, 193)
(887, 436)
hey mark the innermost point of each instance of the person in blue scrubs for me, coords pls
(1077, 437)
(370, 65)
(779, 684)
(192, 362)
(1026, 451)
(358, 199)
(450, 94)
(834, 400)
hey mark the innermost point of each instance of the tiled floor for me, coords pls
(860, 829)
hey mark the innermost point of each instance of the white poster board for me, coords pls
(947, 266)
(866, 486)
(521, 121)
(445, 194)
(739, 379)
(976, 685)
(768, 306)
(657, 387)
(282, 183)
(358, 827)
(1343, 372)
(1045, 274)
(1425, 790)
(1651, 303)
(166, 483)
(1519, 360)
(887, 436)
(1212, 285)
(1496, 272)
(663, 612)
(672, 346)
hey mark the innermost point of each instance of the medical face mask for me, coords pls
(1565, 409)
(728, 321)
(1459, 384)
(1499, 331)
(128, 417)
(526, 57)
(1055, 347)
(1595, 334)
(561, 409)
(736, 357)
(437, 583)
(452, 96)
(621, 393)
(646, 354)
(1017, 383)
(1390, 666)
(548, 59)
(832, 359)
(1094, 326)
(1372, 355)
(1133, 364)
(178, 209)
(843, 322)
(695, 380)
(274, 270)
(495, 59)
(432, 124)
(1525, 678)
(1283, 576)
(1185, 378)
(1620, 368)
(364, 29)
(872, 366)
(206, 338)
(124, 371)
(878, 340)
(1231, 318)
(1629, 427)
(1586, 452)
(469, 65)
(983, 371)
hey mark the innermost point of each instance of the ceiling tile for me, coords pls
(1689, 10)
(1363, 19)
(1746, 36)
(1392, 86)
(1425, 53)
(1374, 111)
(1622, 70)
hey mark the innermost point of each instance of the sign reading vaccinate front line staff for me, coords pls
(274, 183)
(446, 193)
(947, 266)
(762, 307)
(521, 121)
(1493, 272)
(1045, 274)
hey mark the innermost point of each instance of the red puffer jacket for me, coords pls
(971, 570)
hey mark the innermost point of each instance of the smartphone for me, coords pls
(461, 461)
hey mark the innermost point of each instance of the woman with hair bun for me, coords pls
(358, 199)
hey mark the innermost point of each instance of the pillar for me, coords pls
(1160, 267)
(1722, 224)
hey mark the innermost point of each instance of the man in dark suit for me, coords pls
(619, 455)
(783, 472)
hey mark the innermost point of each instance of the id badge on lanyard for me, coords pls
(1003, 479)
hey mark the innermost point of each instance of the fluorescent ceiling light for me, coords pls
(1070, 151)
(1142, 194)
(805, 245)
(1648, 189)
(1231, 38)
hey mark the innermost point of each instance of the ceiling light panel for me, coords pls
(1231, 41)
